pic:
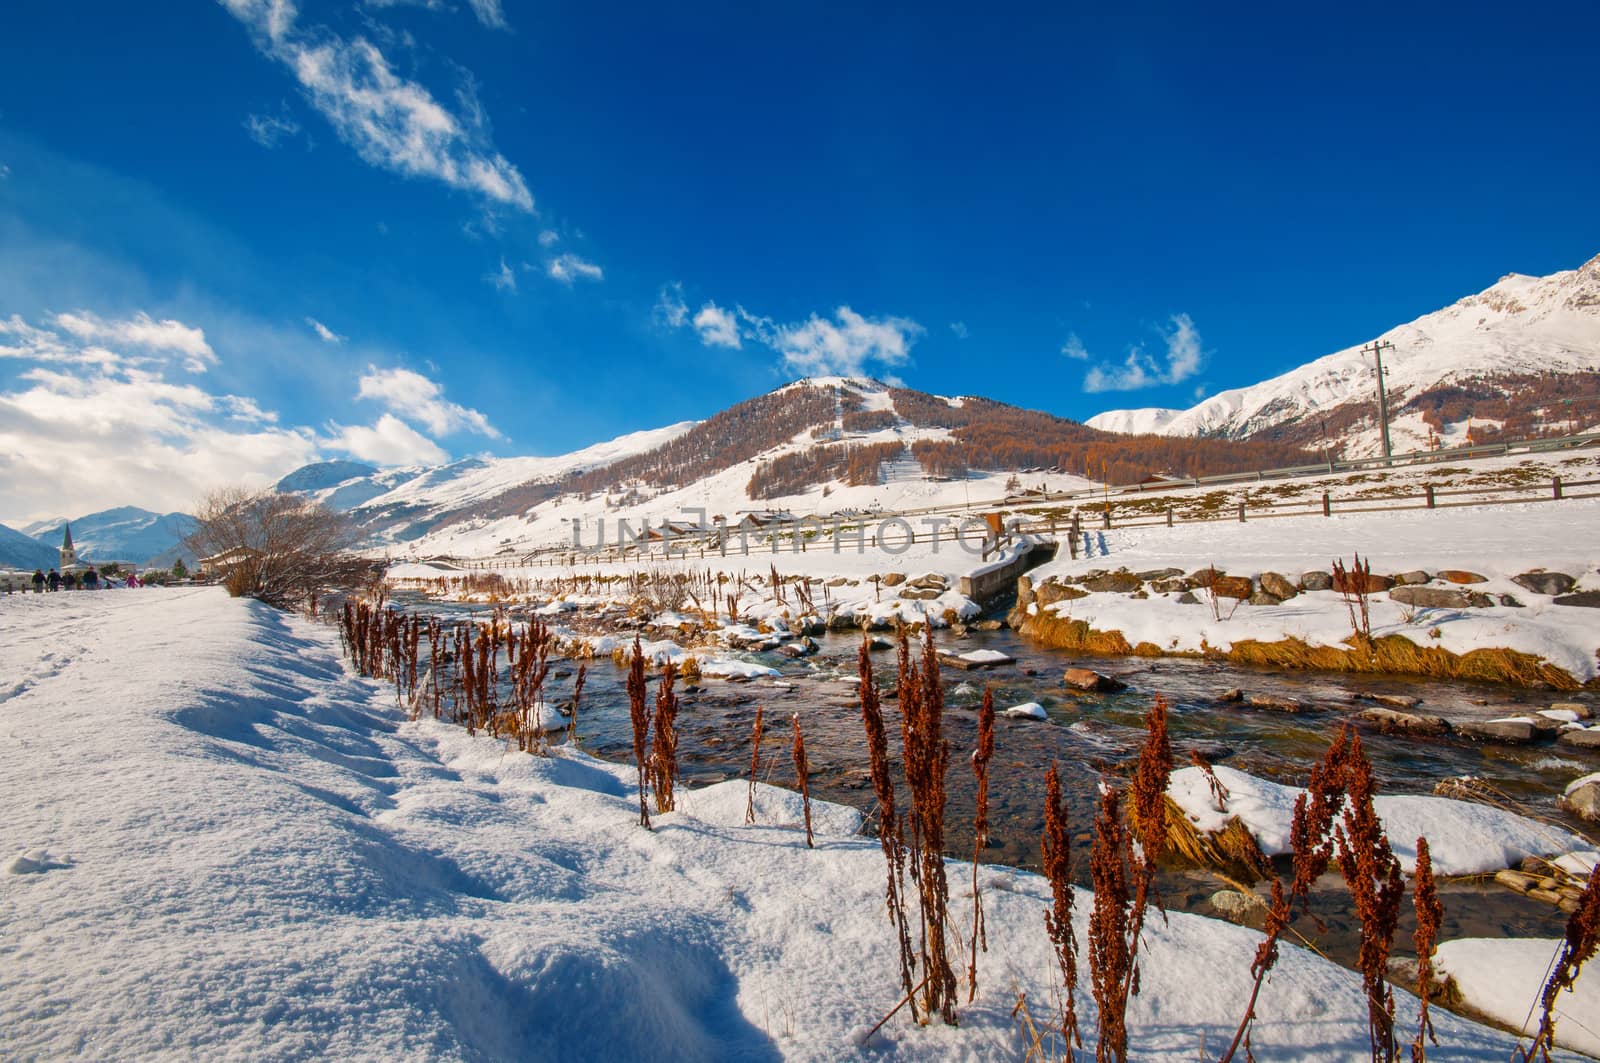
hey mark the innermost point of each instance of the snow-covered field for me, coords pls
(219, 844)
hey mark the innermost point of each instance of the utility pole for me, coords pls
(1376, 349)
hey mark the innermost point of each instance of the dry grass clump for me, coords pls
(801, 770)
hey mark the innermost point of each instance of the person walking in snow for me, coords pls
(91, 579)
(38, 582)
(54, 579)
(69, 581)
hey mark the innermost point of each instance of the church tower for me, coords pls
(69, 555)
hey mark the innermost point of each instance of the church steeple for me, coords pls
(69, 554)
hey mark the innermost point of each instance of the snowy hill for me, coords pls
(126, 533)
(19, 551)
(1490, 355)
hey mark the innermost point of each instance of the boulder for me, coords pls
(1278, 585)
(921, 595)
(1509, 601)
(1170, 586)
(1315, 581)
(1583, 801)
(1048, 593)
(1457, 575)
(1089, 680)
(1024, 592)
(894, 579)
(1160, 573)
(988, 625)
(1395, 701)
(837, 581)
(843, 622)
(1225, 586)
(931, 582)
(1583, 599)
(1545, 582)
(1391, 721)
(1266, 701)
(1413, 577)
(1589, 739)
(1577, 708)
(1188, 598)
(1263, 598)
(1116, 582)
(1354, 583)
(1231, 694)
(1430, 597)
(1512, 732)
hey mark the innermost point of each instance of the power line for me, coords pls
(1376, 349)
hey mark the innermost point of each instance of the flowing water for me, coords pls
(1092, 736)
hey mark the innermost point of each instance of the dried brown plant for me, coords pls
(1219, 792)
(664, 743)
(889, 834)
(755, 768)
(1377, 887)
(1054, 851)
(577, 699)
(801, 770)
(639, 715)
(1430, 916)
(980, 834)
(1578, 947)
(1110, 958)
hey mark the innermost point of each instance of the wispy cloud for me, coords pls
(1183, 358)
(270, 130)
(166, 336)
(568, 268)
(504, 278)
(1074, 348)
(670, 309)
(549, 238)
(324, 332)
(717, 327)
(392, 122)
(416, 398)
(960, 329)
(488, 12)
(388, 442)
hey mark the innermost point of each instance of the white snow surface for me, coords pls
(1502, 977)
(1518, 325)
(1463, 838)
(237, 849)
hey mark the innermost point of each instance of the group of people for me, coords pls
(90, 580)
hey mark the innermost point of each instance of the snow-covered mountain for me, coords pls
(20, 551)
(1490, 356)
(126, 533)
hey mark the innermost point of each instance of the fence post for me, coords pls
(1555, 483)
(1241, 511)
(1105, 518)
(1327, 508)
(1429, 489)
(1169, 516)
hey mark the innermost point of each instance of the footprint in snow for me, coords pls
(37, 861)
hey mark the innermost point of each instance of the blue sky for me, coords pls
(238, 236)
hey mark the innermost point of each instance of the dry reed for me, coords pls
(801, 770)
(755, 768)
(639, 716)
(980, 834)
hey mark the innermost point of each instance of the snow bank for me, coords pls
(268, 860)
(1503, 980)
(1463, 838)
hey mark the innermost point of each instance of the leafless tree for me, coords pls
(280, 548)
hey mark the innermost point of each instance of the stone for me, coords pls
(1211, 752)
(1232, 587)
(894, 579)
(1415, 576)
(1263, 598)
(1589, 739)
(1160, 573)
(1232, 694)
(1171, 586)
(1141, 593)
(1583, 599)
(1266, 701)
(1089, 680)
(1577, 708)
(1545, 582)
(1233, 904)
(988, 625)
(1115, 582)
(930, 582)
(1395, 701)
(1278, 585)
(1457, 575)
(838, 581)
(1478, 600)
(1024, 592)
(1391, 721)
(1315, 581)
(1512, 732)
(1188, 598)
(921, 595)
(1430, 597)
(1509, 601)
(842, 622)
(1049, 593)
(1583, 802)
(1352, 582)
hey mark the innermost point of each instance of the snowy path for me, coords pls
(248, 853)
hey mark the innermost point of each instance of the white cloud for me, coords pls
(269, 130)
(670, 309)
(416, 398)
(161, 337)
(489, 13)
(1074, 348)
(1142, 370)
(391, 122)
(549, 238)
(327, 334)
(960, 329)
(845, 345)
(569, 267)
(389, 442)
(504, 278)
(717, 327)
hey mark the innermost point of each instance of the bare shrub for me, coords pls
(279, 548)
